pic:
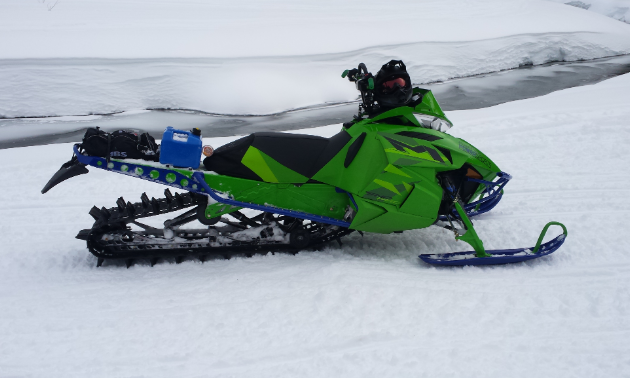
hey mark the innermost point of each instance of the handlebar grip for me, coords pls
(364, 67)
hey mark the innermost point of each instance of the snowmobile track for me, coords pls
(111, 239)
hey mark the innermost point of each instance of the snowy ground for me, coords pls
(367, 309)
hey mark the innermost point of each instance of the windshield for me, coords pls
(431, 122)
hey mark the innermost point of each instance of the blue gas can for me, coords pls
(181, 148)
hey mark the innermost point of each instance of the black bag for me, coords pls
(120, 144)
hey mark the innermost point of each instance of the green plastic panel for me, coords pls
(268, 169)
(319, 199)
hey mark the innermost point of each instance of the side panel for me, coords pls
(424, 200)
(392, 179)
(383, 218)
(369, 162)
(318, 199)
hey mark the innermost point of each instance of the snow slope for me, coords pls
(617, 9)
(255, 28)
(260, 57)
(35, 87)
(367, 309)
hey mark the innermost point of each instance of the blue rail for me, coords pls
(196, 184)
(491, 195)
(200, 178)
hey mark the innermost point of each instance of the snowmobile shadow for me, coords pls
(383, 247)
(395, 247)
(372, 247)
(93, 261)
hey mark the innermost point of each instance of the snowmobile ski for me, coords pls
(501, 256)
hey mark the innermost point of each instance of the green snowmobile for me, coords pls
(393, 168)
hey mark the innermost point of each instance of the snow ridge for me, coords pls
(57, 87)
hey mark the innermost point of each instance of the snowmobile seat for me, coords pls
(304, 154)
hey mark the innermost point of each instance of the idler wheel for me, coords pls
(299, 238)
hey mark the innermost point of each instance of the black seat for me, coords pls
(304, 154)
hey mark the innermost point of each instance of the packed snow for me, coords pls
(367, 309)
(261, 57)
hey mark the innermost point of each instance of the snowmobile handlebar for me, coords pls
(363, 78)
(364, 81)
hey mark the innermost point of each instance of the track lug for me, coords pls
(168, 195)
(131, 209)
(179, 199)
(105, 212)
(120, 202)
(202, 258)
(154, 261)
(187, 199)
(99, 262)
(340, 243)
(95, 213)
(179, 259)
(84, 234)
(129, 262)
(145, 200)
(156, 205)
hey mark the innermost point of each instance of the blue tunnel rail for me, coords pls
(195, 183)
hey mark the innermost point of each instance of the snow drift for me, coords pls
(252, 57)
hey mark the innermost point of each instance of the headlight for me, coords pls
(434, 123)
